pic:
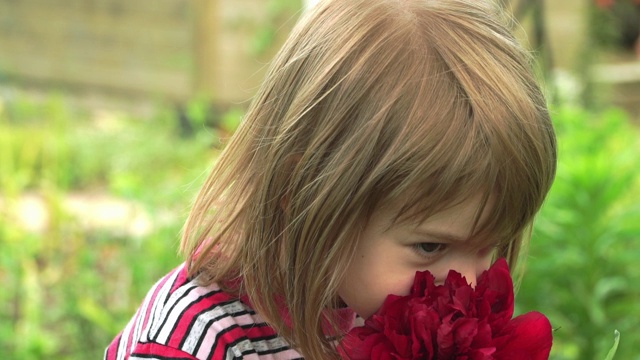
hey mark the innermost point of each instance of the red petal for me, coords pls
(529, 338)
(472, 324)
(423, 283)
(496, 287)
(455, 280)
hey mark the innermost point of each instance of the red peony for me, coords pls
(452, 321)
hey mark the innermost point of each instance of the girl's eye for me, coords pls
(428, 249)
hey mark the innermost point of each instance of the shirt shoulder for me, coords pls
(191, 321)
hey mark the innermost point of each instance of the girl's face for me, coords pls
(387, 258)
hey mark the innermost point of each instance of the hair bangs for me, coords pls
(453, 137)
(449, 160)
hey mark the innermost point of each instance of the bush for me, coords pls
(69, 289)
(583, 270)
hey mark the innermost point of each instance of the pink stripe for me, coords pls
(129, 344)
(158, 289)
(112, 350)
(186, 312)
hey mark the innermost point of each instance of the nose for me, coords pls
(471, 266)
(470, 274)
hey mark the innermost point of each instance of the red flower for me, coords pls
(605, 3)
(452, 321)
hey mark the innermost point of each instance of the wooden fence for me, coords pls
(167, 48)
(176, 49)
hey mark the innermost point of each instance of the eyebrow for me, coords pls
(441, 235)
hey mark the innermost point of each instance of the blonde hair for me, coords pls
(370, 102)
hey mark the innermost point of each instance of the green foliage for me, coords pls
(69, 288)
(612, 352)
(583, 270)
(614, 26)
(50, 144)
(277, 12)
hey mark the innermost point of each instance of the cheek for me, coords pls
(380, 267)
(366, 302)
(485, 262)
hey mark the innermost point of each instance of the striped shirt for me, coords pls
(180, 319)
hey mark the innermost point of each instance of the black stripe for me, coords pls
(211, 321)
(157, 306)
(224, 331)
(117, 347)
(235, 343)
(158, 357)
(206, 326)
(173, 283)
(171, 310)
(253, 350)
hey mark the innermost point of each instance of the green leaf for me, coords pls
(613, 350)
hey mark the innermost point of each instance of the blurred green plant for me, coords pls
(613, 24)
(277, 12)
(69, 289)
(616, 341)
(583, 270)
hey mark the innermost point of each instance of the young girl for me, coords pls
(390, 136)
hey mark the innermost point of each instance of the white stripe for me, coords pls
(124, 338)
(176, 306)
(159, 306)
(263, 345)
(271, 344)
(143, 311)
(134, 329)
(224, 312)
(239, 349)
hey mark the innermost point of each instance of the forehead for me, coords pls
(456, 221)
(459, 219)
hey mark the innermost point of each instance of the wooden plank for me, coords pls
(120, 42)
(205, 47)
(621, 73)
(175, 85)
(141, 8)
